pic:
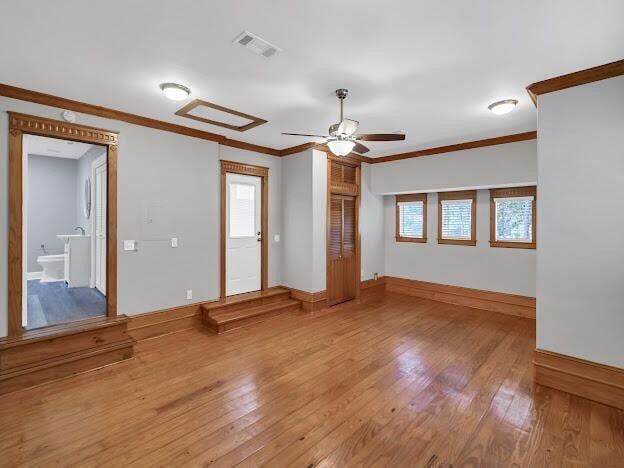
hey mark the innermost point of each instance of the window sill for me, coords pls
(418, 240)
(457, 242)
(513, 245)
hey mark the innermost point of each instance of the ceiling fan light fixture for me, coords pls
(503, 107)
(341, 147)
(175, 91)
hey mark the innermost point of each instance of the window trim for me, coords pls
(461, 195)
(508, 193)
(421, 197)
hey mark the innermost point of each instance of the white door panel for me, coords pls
(99, 231)
(243, 233)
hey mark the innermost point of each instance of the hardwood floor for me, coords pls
(390, 381)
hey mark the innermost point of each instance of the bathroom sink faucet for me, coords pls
(82, 230)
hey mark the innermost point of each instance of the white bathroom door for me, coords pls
(243, 234)
(99, 227)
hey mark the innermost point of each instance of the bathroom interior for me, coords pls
(64, 189)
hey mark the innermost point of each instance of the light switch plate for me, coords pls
(174, 242)
(276, 237)
(189, 294)
(129, 245)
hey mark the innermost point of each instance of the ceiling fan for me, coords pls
(342, 138)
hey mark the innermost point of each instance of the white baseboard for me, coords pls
(33, 275)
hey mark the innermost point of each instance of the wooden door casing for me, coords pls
(343, 235)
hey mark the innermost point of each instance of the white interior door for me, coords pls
(99, 226)
(243, 234)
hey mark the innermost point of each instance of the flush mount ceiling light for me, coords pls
(175, 91)
(503, 107)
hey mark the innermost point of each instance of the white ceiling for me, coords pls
(427, 68)
(45, 146)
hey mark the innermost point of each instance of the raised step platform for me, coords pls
(243, 309)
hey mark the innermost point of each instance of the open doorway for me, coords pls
(64, 230)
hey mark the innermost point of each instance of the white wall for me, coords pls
(168, 186)
(512, 164)
(580, 267)
(479, 267)
(297, 239)
(319, 220)
(372, 227)
(51, 205)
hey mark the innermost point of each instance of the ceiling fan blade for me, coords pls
(380, 137)
(360, 148)
(305, 135)
(347, 127)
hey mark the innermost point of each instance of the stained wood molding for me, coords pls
(597, 382)
(509, 304)
(58, 129)
(19, 125)
(310, 302)
(589, 75)
(195, 103)
(37, 356)
(501, 140)
(422, 197)
(373, 283)
(513, 192)
(165, 321)
(22, 94)
(460, 195)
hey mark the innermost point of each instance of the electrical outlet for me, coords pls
(129, 245)
(174, 242)
(189, 294)
(276, 237)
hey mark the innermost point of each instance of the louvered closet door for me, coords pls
(342, 259)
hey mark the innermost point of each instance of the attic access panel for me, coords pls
(214, 114)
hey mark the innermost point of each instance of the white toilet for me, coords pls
(53, 267)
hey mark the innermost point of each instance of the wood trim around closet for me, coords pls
(355, 192)
(20, 125)
(251, 170)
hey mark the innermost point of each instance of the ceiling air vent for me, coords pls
(256, 44)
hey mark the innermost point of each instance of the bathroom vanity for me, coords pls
(77, 259)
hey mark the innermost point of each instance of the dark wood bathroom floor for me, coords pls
(53, 303)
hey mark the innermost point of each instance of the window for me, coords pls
(512, 217)
(242, 210)
(457, 213)
(411, 218)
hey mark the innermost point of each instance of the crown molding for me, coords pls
(589, 75)
(501, 140)
(22, 94)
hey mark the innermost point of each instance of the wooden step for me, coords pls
(223, 320)
(252, 299)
